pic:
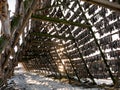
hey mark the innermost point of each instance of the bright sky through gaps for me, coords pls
(11, 6)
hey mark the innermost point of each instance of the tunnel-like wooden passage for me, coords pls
(66, 38)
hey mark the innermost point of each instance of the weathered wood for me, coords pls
(57, 20)
(105, 3)
(37, 43)
(5, 19)
(52, 36)
(98, 45)
(19, 31)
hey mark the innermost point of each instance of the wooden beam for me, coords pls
(57, 20)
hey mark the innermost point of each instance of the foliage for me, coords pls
(15, 22)
(27, 3)
(3, 43)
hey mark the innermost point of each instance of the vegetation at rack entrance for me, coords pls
(77, 41)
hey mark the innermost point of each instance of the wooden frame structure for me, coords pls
(73, 39)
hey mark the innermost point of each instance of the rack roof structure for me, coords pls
(72, 38)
